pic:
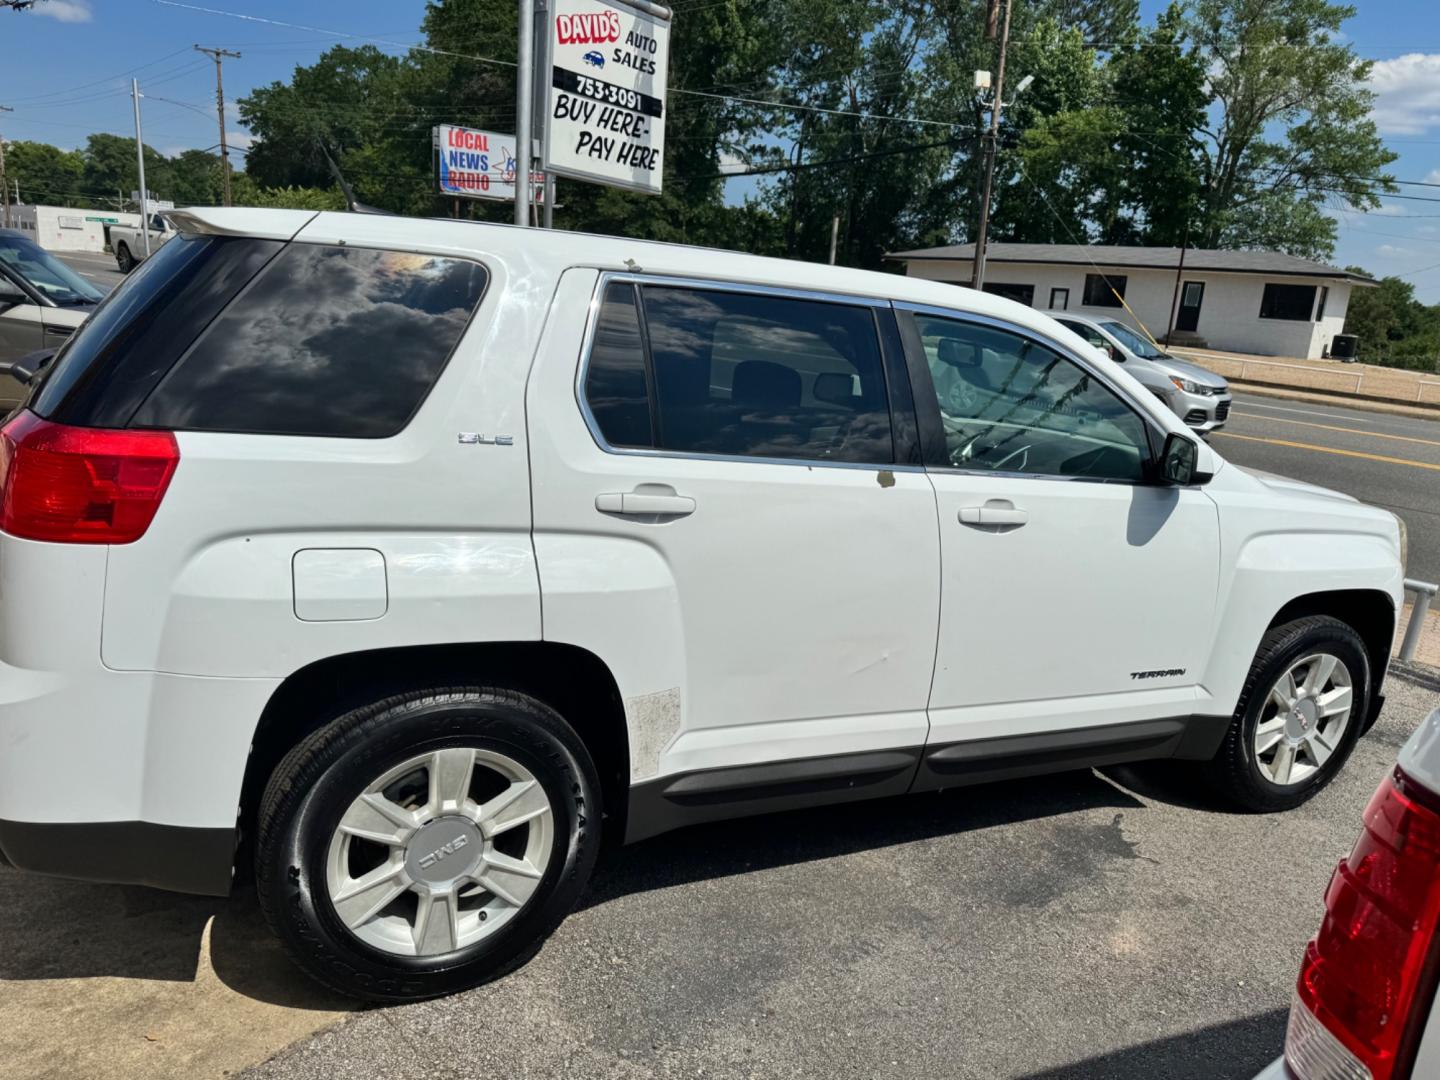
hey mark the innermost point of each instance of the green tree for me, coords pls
(46, 174)
(110, 169)
(1292, 124)
(1393, 327)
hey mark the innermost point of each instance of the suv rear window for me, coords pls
(333, 341)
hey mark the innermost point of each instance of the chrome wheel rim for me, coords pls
(440, 851)
(1304, 719)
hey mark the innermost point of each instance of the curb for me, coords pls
(1420, 674)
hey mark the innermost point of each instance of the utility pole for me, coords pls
(524, 99)
(216, 54)
(1179, 273)
(5, 188)
(140, 159)
(834, 236)
(977, 273)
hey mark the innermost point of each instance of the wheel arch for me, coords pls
(573, 681)
(1369, 612)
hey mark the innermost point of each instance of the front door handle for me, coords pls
(645, 503)
(994, 512)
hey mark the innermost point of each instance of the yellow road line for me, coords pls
(1329, 450)
(1351, 430)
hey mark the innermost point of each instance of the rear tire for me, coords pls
(123, 259)
(1299, 715)
(428, 842)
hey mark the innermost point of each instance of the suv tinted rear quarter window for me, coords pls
(331, 341)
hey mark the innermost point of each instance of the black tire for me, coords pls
(318, 779)
(123, 259)
(1236, 772)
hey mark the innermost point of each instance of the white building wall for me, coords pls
(1229, 313)
(68, 228)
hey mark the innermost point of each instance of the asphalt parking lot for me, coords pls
(1073, 926)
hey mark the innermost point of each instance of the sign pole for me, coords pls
(524, 96)
(140, 159)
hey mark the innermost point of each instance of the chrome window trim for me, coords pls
(1065, 352)
(606, 278)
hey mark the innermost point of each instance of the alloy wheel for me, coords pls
(440, 851)
(1304, 719)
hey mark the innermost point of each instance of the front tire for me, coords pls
(123, 259)
(1299, 715)
(428, 842)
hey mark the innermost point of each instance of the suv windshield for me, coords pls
(45, 273)
(1131, 340)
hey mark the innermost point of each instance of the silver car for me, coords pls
(1199, 397)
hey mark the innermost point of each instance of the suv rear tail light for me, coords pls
(81, 485)
(1369, 970)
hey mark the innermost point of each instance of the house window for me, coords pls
(1324, 297)
(1059, 299)
(1293, 302)
(1104, 290)
(1021, 294)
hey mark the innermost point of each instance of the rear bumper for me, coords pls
(124, 777)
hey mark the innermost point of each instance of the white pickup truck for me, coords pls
(129, 243)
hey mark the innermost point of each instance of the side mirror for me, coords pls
(28, 366)
(1179, 462)
(10, 294)
(1115, 354)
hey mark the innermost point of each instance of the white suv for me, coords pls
(401, 560)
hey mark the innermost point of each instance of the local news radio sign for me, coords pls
(605, 94)
(475, 164)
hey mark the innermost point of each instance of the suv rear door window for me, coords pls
(332, 341)
(750, 375)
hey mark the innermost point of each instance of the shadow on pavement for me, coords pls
(1233, 1051)
(711, 851)
(53, 929)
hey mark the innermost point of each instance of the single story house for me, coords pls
(1258, 302)
(69, 228)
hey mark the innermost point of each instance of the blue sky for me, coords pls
(65, 68)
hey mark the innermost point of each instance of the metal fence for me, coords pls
(1424, 592)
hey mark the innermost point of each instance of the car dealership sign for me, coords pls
(604, 117)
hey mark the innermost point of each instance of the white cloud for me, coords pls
(1389, 210)
(1433, 176)
(64, 10)
(242, 139)
(1391, 249)
(1407, 91)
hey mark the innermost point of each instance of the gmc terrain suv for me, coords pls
(403, 559)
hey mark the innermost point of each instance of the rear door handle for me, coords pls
(994, 512)
(644, 503)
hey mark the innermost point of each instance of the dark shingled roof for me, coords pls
(1156, 258)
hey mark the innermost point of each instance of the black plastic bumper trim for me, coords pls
(172, 857)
